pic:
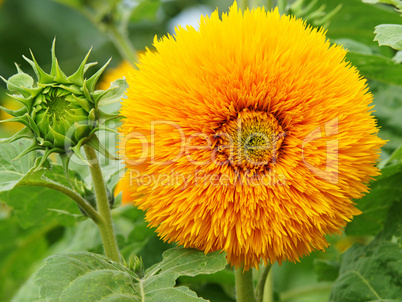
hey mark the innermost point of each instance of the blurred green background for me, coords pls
(27, 24)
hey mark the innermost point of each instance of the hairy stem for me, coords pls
(105, 225)
(123, 44)
(261, 283)
(268, 295)
(244, 285)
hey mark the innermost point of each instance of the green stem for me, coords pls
(119, 39)
(305, 290)
(105, 225)
(123, 44)
(261, 283)
(244, 285)
(268, 288)
(91, 212)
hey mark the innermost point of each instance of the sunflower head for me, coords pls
(60, 113)
(250, 135)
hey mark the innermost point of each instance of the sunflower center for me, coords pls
(58, 107)
(251, 140)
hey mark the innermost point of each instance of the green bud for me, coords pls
(61, 113)
(136, 265)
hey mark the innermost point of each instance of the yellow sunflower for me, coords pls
(256, 135)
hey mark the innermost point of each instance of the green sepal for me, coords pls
(59, 139)
(17, 119)
(89, 65)
(14, 113)
(32, 124)
(78, 77)
(74, 89)
(13, 88)
(33, 147)
(83, 103)
(26, 102)
(65, 160)
(43, 159)
(91, 82)
(80, 130)
(45, 144)
(91, 116)
(104, 128)
(112, 95)
(108, 116)
(23, 133)
(77, 150)
(42, 76)
(86, 92)
(94, 143)
(56, 71)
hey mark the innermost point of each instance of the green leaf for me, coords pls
(356, 21)
(390, 35)
(373, 272)
(32, 205)
(376, 67)
(398, 57)
(388, 109)
(92, 277)
(396, 3)
(11, 172)
(384, 191)
(354, 46)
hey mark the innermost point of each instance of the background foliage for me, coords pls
(364, 264)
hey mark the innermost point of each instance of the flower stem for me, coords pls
(244, 285)
(105, 225)
(123, 44)
(262, 282)
(268, 295)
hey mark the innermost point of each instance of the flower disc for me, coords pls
(250, 135)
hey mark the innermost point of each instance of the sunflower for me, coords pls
(256, 136)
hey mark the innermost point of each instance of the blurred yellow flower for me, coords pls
(9, 127)
(256, 136)
(111, 75)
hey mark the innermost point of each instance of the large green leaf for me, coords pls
(85, 276)
(396, 3)
(376, 67)
(383, 193)
(357, 20)
(388, 110)
(373, 272)
(20, 187)
(389, 34)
